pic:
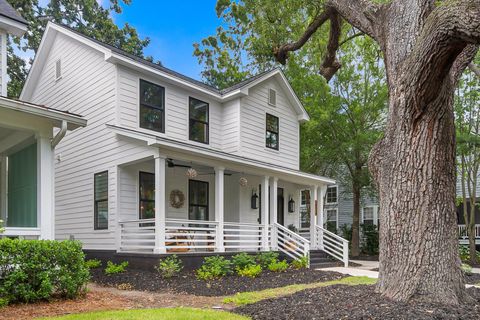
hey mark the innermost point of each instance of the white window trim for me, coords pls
(326, 198)
(269, 101)
(58, 69)
(375, 214)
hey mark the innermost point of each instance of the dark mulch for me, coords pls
(187, 283)
(473, 278)
(354, 302)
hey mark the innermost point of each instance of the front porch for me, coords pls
(220, 208)
(463, 235)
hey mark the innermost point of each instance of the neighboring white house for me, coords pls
(168, 163)
(27, 142)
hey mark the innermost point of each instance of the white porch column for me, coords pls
(265, 213)
(219, 206)
(313, 211)
(45, 188)
(160, 206)
(273, 200)
(320, 210)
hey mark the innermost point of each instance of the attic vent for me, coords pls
(272, 97)
(58, 69)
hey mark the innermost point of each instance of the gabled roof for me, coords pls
(119, 56)
(11, 20)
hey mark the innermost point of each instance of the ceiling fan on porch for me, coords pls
(172, 164)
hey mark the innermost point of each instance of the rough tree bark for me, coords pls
(426, 45)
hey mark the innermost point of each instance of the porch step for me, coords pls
(320, 259)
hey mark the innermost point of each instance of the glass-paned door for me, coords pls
(198, 200)
(146, 195)
(305, 209)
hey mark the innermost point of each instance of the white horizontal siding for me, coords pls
(254, 108)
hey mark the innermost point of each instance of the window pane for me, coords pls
(305, 209)
(147, 209)
(198, 110)
(151, 118)
(331, 215)
(272, 140)
(331, 194)
(198, 213)
(198, 131)
(147, 186)
(198, 193)
(101, 200)
(101, 221)
(272, 123)
(368, 213)
(151, 94)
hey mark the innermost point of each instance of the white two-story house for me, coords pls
(167, 163)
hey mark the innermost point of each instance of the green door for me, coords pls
(22, 188)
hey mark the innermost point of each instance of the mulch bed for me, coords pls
(354, 302)
(473, 278)
(187, 283)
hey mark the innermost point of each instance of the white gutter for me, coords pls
(59, 136)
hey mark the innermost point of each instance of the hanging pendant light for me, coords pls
(243, 181)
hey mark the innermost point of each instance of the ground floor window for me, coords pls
(305, 209)
(332, 220)
(146, 195)
(370, 215)
(101, 201)
(198, 200)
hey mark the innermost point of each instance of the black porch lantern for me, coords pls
(254, 200)
(291, 205)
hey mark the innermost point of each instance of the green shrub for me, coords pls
(278, 266)
(169, 266)
(32, 270)
(93, 263)
(113, 268)
(266, 258)
(370, 239)
(464, 252)
(214, 267)
(242, 260)
(467, 269)
(252, 271)
(2, 229)
(301, 263)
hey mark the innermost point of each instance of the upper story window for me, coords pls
(100, 201)
(368, 215)
(152, 106)
(332, 195)
(58, 69)
(198, 124)
(272, 97)
(271, 138)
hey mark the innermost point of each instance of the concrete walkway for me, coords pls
(353, 272)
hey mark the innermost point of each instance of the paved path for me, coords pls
(354, 272)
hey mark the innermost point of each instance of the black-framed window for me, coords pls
(152, 106)
(272, 136)
(198, 200)
(332, 195)
(305, 209)
(146, 195)
(199, 119)
(100, 186)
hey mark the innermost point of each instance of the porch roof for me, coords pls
(269, 169)
(74, 121)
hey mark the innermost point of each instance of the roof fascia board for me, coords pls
(13, 27)
(73, 121)
(153, 140)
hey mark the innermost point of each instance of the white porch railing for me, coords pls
(463, 233)
(190, 235)
(136, 235)
(289, 242)
(247, 236)
(332, 244)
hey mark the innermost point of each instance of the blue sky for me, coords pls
(172, 26)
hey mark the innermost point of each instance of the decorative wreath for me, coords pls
(177, 199)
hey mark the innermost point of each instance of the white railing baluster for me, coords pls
(332, 244)
(290, 243)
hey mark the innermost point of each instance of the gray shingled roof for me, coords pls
(167, 70)
(7, 10)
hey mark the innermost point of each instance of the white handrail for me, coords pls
(290, 243)
(332, 244)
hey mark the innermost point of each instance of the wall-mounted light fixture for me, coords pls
(291, 205)
(254, 200)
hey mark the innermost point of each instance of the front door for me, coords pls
(280, 207)
(198, 200)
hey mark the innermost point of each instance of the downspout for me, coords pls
(59, 136)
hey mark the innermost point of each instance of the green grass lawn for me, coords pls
(157, 314)
(243, 298)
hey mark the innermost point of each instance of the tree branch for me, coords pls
(281, 52)
(462, 62)
(353, 36)
(330, 64)
(474, 68)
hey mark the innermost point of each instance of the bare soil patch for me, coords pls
(354, 302)
(186, 282)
